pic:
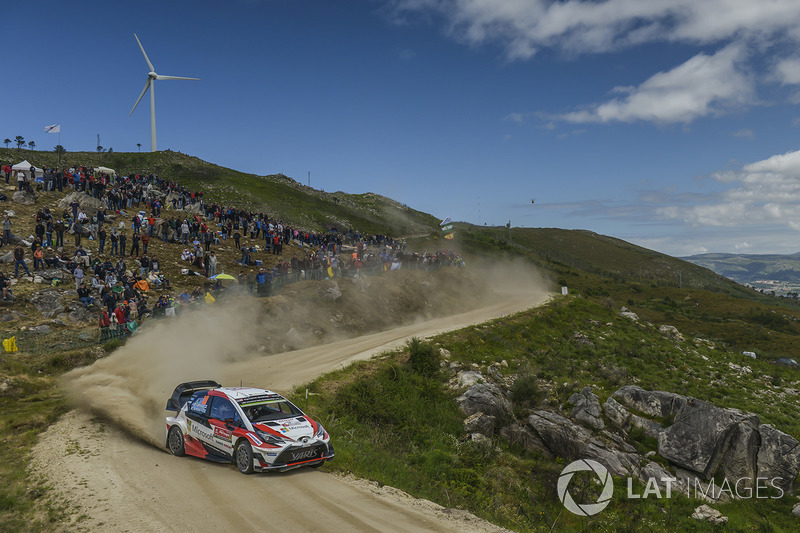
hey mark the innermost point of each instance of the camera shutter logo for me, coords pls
(585, 509)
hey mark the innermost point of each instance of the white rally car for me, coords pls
(257, 429)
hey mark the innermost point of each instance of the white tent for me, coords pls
(25, 167)
(105, 170)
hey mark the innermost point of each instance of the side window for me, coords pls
(223, 409)
(199, 403)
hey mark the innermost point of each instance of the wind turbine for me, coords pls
(151, 77)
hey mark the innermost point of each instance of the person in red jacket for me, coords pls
(104, 323)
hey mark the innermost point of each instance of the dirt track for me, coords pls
(123, 484)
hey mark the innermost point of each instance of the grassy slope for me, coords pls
(277, 195)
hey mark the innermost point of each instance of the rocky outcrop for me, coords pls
(480, 423)
(86, 202)
(587, 409)
(778, 456)
(567, 439)
(657, 404)
(48, 303)
(711, 440)
(24, 198)
(485, 398)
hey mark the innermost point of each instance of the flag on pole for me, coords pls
(446, 226)
(55, 128)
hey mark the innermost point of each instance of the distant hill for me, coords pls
(278, 195)
(780, 273)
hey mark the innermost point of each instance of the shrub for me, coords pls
(422, 357)
(526, 392)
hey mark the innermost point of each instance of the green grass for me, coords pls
(400, 427)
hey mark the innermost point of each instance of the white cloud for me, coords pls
(767, 193)
(583, 26)
(704, 85)
(787, 71)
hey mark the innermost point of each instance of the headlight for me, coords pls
(269, 439)
(320, 432)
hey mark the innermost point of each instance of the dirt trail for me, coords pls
(125, 484)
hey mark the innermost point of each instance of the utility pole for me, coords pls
(309, 178)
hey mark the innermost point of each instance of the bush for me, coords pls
(526, 392)
(422, 357)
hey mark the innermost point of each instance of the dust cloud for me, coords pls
(130, 387)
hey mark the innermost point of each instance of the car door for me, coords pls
(223, 418)
(197, 409)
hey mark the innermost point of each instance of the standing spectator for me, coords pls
(134, 244)
(77, 229)
(104, 323)
(19, 259)
(78, 273)
(151, 225)
(212, 264)
(185, 232)
(5, 284)
(114, 241)
(48, 231)
(101, 239)
(122, 239)
(145, 242)
(60, 229)
(7, 172)
(38, 258)
(236, 237)
(20, 180)
(6, 230)
(164, 230)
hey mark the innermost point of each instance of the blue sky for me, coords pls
(669, 124)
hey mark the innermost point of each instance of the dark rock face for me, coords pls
(710, 440)
(778, 456)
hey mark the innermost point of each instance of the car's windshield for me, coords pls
(275, 410)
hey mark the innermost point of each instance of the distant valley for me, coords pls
(768, 272)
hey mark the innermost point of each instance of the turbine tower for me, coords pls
(149, 84)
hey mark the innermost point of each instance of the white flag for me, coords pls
(445, 221)
(55, 128)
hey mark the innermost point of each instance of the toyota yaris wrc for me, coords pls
(256, 429)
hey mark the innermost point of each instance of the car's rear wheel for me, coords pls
(244, 457)
(175, 441)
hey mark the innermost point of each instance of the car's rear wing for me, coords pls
(184, 391)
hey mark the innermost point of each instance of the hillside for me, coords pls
(278, 195)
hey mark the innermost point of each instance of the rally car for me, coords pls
(257, 429)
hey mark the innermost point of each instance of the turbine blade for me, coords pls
(146, 86)
(160, 77)
(149, 64)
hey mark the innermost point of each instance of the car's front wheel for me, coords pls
(175, 441)
(244, 457)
